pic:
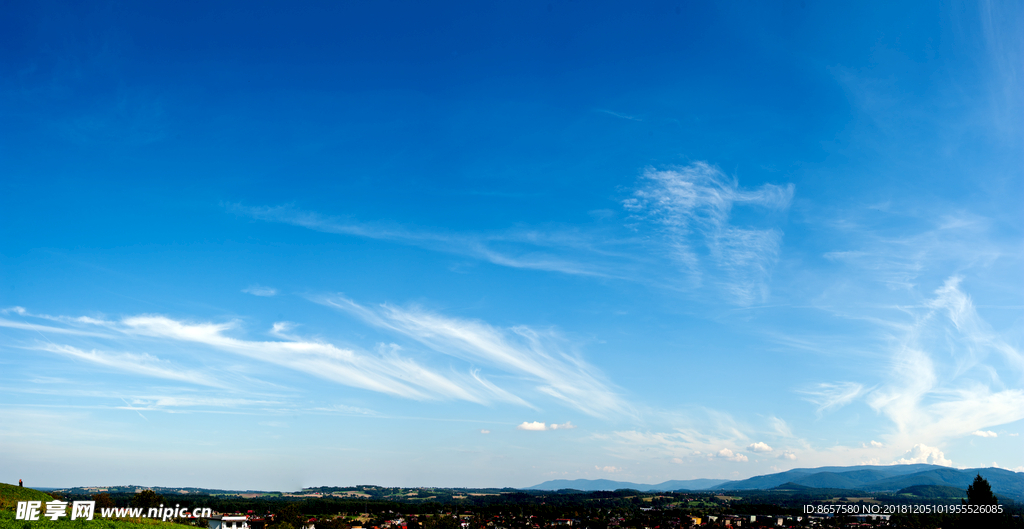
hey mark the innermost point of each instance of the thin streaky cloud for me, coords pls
(522, 350)
(538, 253)
(387, 372)
(137, 363)
(679, 236)
(261, 291)
(618, 114)
(835, 395)
(47, 329)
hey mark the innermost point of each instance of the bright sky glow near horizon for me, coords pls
(261, 245)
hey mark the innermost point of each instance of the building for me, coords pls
(229, 521)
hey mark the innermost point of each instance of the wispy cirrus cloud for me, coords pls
(704, 435)
(261, 291)
(141, 364)
(541, 360)
(548, 250)
(834, 395)
(386, 370)
(540, 356)
(692, 205)
(948, 374)
(899, 260)
(680, 234)
(681, 445)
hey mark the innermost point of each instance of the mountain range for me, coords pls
(873, 478)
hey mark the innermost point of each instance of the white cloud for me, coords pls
(787, 455)
(759, 447)
(693, 205)
(540, 356)
(876, 444)
(540, 427)
(608, 469)
(388, 371)
(725, 453)
(984, 433)
(921, 453)
(485, 431)
(261, 291)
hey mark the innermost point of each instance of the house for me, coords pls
(229, 521)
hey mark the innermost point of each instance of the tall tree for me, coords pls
(979, 495)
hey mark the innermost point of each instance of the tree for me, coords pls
(103, 501)
(147, 499)
(979, 494)
(289, 517)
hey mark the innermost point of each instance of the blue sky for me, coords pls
(262, 246)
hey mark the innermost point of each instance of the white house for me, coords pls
(228, 521)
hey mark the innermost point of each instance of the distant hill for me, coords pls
(589, 485)
(869, 478)
(827, 477)
(10, 495)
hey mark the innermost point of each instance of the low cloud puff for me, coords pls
(921, 453)
(725, 453)
(540, 427)
(985, 433)
(759, 447)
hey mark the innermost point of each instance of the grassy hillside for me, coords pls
(10, 495)
(7, 521)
